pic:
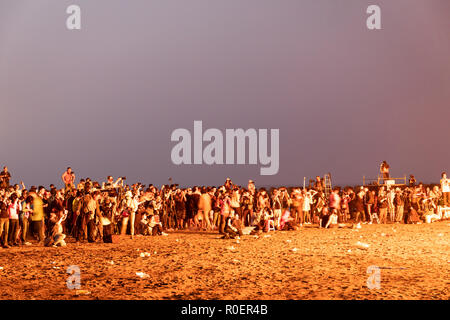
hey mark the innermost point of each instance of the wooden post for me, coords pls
(304, 182)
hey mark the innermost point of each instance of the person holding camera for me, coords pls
(445, 187)
(91, 211)
(38, 215)
(14, 207)
(4, 223)
(384, 170)
(111, 184)
(5, 176)
(130, 206)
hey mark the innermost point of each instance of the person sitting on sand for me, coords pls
(267, 216)
(287, 222)
(231, 232)
(328, 219)
(155, 224)
(145, 225)
(57, 236)
(412, 217)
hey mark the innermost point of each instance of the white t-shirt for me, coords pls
(445, 185)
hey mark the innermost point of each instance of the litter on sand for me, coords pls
(267, 236)
(294, 249)
(288, 241)
(1, 268)
(145, 254)
(111, 262)
(79, 292)
(362, 244)
(142, 275)
(231, 248)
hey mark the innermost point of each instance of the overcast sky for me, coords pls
(105, 99)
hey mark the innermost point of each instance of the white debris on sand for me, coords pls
(142, 275)
(231, 248)
(294, 249)
(362, 245)
(145, 254)
(79, 292)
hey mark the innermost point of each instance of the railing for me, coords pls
(385, 182)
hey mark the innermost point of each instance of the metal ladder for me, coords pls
(327, 181)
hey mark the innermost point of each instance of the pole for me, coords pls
(304, 182)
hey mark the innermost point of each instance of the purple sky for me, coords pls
(105, 99)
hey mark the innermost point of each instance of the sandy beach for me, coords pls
(310, 263)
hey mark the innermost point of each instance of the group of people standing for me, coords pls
(90, 211)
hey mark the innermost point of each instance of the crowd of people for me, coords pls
(94, 212)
